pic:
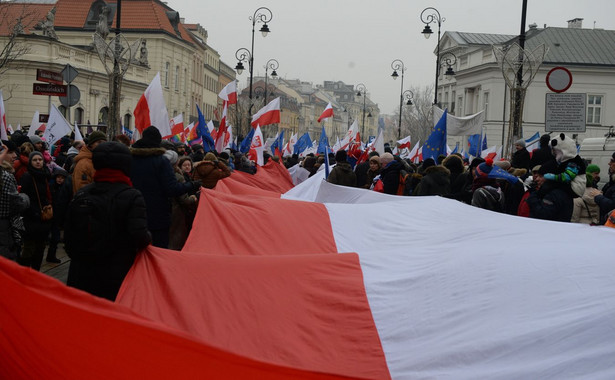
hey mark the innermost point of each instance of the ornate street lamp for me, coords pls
(429, 15)
(408, 96)
(399, 65)
(273, 65)
(362, 91)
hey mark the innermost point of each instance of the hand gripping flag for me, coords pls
(327, 113)
(436, 142)
(270, 114)
(152, 110)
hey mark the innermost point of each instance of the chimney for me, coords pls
(533, 26)
(575, 23)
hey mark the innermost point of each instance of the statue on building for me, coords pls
(143, 55)
(48, 24)
(18, 28)
(102, 27)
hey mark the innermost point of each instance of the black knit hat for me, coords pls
(96, 136)
(340, 155)
(112, 155)
(151, 138)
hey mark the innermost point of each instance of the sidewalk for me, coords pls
(57, 271)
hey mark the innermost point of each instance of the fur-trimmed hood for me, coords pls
(147, 152)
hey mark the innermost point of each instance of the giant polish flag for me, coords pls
(57, 126)
(270, 114)
(152, 109)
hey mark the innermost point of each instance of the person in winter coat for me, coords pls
(585, 210)
(390, 173)
(11, 204)
(521, 158)
(153, 175)
(72, 152)
(342, 173)
(34, 183)
(210, 171)
(362, 169)
(21, 164)
(486, 191)
(183, 208)
(185, 165)
(102, 274)
(605, 199)
(373, 171)
(436, 181)
(543, 153)
(61, 194)
(552, 201)
(83, 174)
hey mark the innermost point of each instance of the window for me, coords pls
(62, 110)
(176, 78)
(594, 109)
(103, 116)
(185, 80)
(486, 103)
(127, 119)
(167, 67)
(78, 115)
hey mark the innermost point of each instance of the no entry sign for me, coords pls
(559, 79)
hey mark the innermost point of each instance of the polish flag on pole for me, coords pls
(177, 124)
(288, 148)
(257, 148)
(3, 126)
(351, 136)
(270, 114)
(404, 143)
(152, 110)
(222, 130)
(229, 93)
(327, 113)
(228, 137)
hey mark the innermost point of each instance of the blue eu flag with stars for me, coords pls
(436, 142)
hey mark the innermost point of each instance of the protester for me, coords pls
(593, 173)
(185, 164)
(183, 207)
(11, 205)
(551, 201)
(342, 173)
(373, 171)
(532, 183)
(61, 194)
(153, 175)
(585, 209)
(543, 153)
(21, 164)
(361, 170)
(34, 183)
(210, 171)
(73, 151)
(521, 157)
(605, 199)
(436, 181)
(487, 193)
(101, 257)
(390, 173)
(83, 173)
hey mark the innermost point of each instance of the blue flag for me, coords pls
(499, 173)
(323, 143)
(484, 143)
(203, 132)
(302, 143)
(327, 171)
(244, 147)
(473, 142)
(456, 149)
(278, 143)
(436, 142)
(531, 140)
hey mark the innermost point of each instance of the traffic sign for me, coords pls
(49, 76)
(72, 98)
(69, 73)
(559, 79)
(48, 89)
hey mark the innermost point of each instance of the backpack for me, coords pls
(404, 187)
(90, 224)
(489, 198)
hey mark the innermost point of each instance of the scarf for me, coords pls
(111, 175)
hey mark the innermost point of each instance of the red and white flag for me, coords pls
(3, 127)
(228, 138)
(352, 136)
(270, 114)
(327, 113)
(177, 125)
(229, 93)
(404, 143)
(222, 131)
(289, 146)
(257, 148)
(152, 109)
(416, 154)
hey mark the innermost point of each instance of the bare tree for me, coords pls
(16, 19)
(416, 119)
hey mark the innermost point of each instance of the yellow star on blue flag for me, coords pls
(436, 142)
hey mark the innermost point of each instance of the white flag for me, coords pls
(34, 125)
(460, 126)
(3, 126)
(258, 146)
(78, 136)
(57, 126)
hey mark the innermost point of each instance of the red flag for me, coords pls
(328, 112)
(270, 114)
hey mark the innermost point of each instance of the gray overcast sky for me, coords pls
(356, 41)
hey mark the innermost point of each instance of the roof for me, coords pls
(464, 38)
(575, 45)
(137, 15)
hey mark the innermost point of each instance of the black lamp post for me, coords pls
(362, 91)
(399, 65)
(262, 15)
(428, 16)
(408, 96)
(273, 65)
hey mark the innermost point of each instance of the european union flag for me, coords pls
(473, 142)
(203, 132)
(278, 143)
(436, 142)
(302, 143)
(323, 143)
(244, 147)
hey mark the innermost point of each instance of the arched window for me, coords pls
(127, 120)
(78, 115)
(103, 116)
(62, 110)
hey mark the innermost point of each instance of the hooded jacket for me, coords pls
(83, 174)
(436, 181)
(343, 175)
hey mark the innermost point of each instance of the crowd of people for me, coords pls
(106, 200)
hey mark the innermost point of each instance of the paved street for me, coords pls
(57, 271)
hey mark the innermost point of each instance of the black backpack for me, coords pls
(90, 226)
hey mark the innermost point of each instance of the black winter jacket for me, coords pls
(342, 175)
(390, 177)
(436, 181)
(551, 202)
